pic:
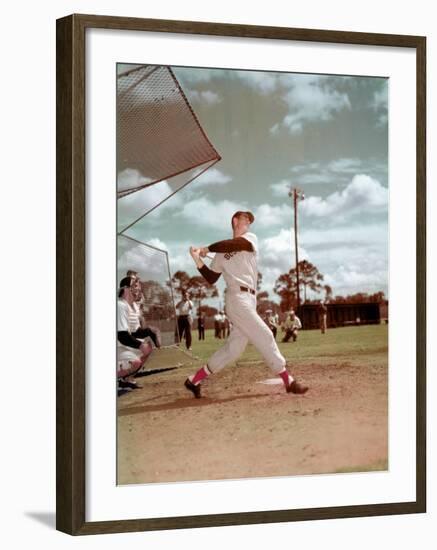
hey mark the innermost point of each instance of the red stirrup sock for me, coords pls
(200, 375)
(286, 377)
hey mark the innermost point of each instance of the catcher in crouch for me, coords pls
(236, 259)
(132, 350)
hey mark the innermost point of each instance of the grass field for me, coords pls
(248, 427)
(355, 341)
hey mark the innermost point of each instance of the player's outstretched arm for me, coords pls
(238, 244)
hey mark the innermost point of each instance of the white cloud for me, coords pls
(382, 120)
(206, 213)
(275, 129)
(349, 280)
(337, 171)
(380, 99)
(317, 173)
(277, 256)
(213, 176)
(188, 77)
(130, 179)
(205, 96)
(281, 189)
(269, 216)
(157, 243)
(294, 127)
(133, 206)
(278, 250)
(180, 260)
(380, 106)
(307, 102)
(352, 260)
(347, 165)
(150, 264)
(362, 194)
(336, 237)
(288, 80)
(304, 167)
(264, 83)
(308, 98)
(320, 177)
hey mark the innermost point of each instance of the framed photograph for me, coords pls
(241, 274)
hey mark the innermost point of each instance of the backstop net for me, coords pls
(159, 138)
(161, 148)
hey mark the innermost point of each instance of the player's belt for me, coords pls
(245, 289)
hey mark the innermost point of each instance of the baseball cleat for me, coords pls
(122, 385)
(295, 387)
(195, 390)
(128, 385)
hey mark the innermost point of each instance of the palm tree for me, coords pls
(309, 277)
(285, 287)
(286, 284)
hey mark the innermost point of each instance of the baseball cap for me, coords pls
(239, 212)
(126, 282)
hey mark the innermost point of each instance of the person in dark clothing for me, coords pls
(201, 326)
(217, 325)
(184, 309)
(323, 315)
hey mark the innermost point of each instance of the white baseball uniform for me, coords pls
(128, 320)
(240, 272)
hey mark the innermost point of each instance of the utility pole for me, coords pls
(297, 195)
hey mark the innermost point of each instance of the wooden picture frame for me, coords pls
(71, 288)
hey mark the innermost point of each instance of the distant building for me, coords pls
(344, 314)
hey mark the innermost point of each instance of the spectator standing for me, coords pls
(217, 325)
(201, 325)
(184, 309)
(323, 315)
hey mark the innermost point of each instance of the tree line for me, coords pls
(310, 278)
(285, 287)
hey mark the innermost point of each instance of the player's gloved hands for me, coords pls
(203, 251)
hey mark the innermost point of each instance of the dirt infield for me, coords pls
(245, 426)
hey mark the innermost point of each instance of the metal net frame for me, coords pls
(156, 300)
(151, 199)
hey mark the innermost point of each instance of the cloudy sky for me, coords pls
(326, 135)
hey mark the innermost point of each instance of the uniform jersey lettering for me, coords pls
(238, 268)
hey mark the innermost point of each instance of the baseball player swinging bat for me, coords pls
(236, 260)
